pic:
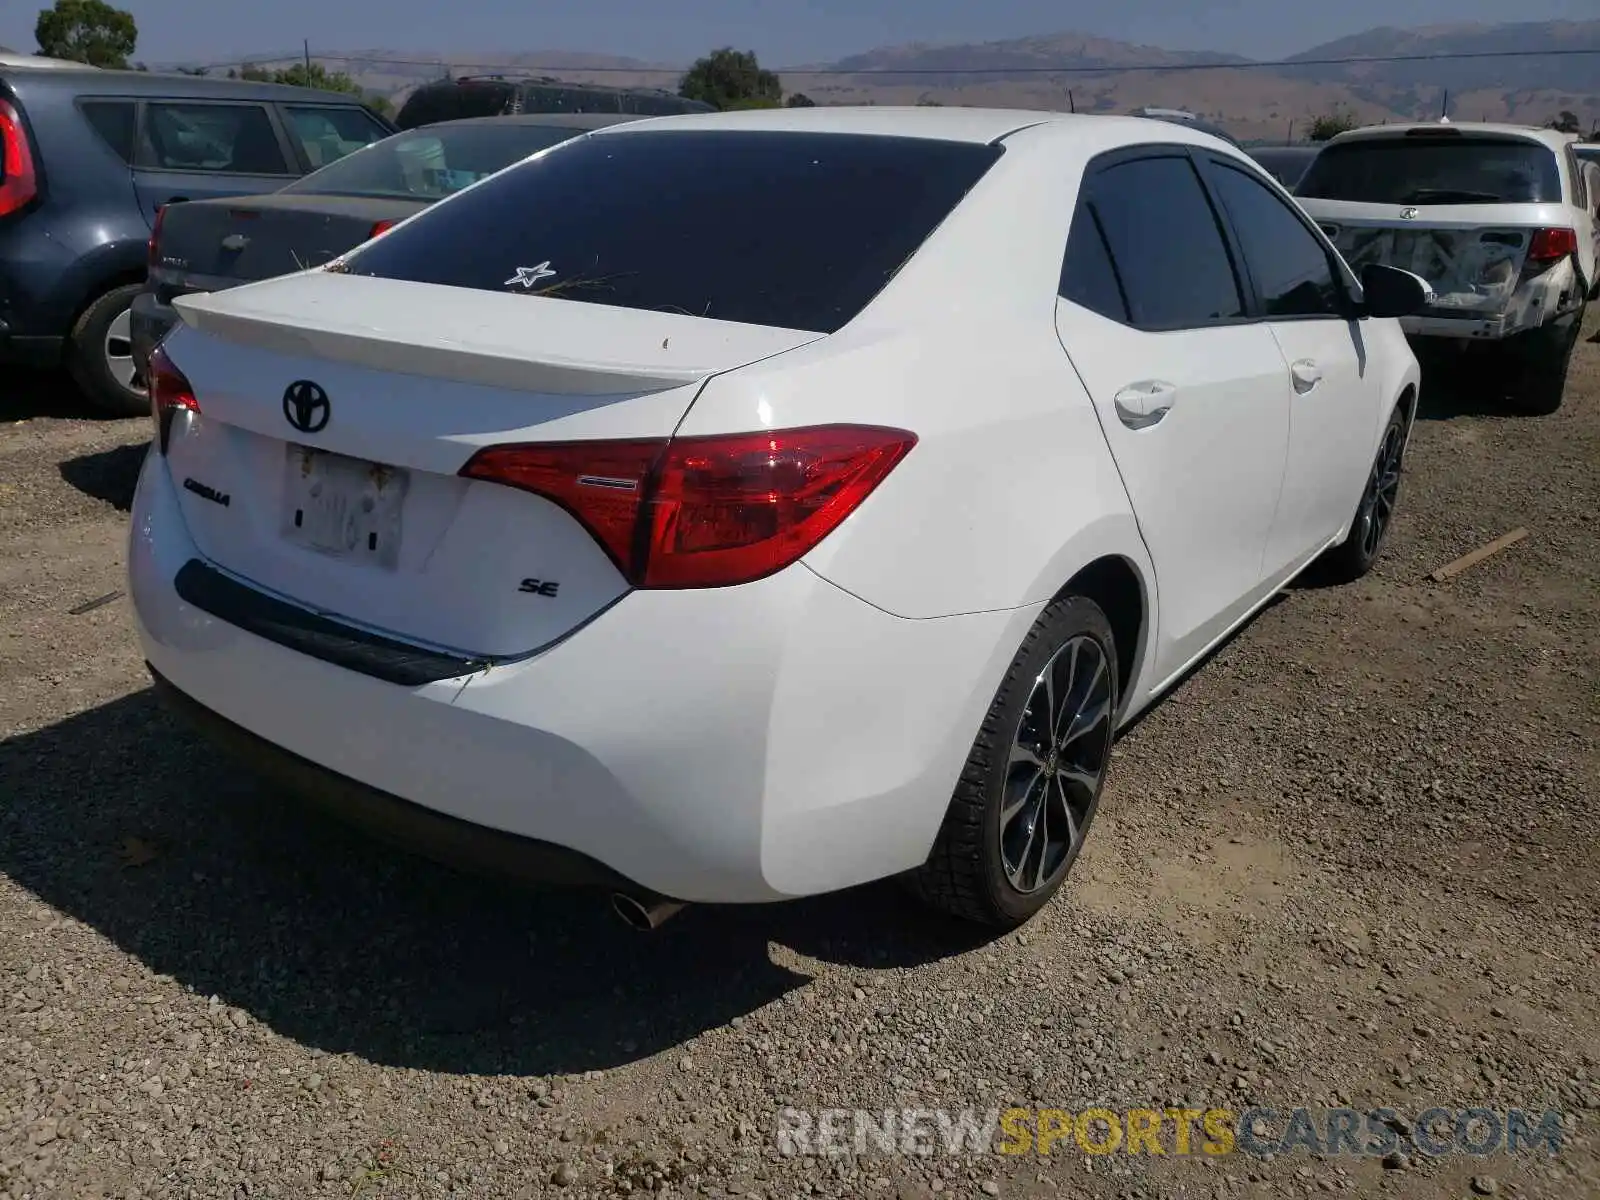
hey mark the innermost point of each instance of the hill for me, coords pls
(1067, 70)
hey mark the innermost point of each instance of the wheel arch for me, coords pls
(1121, 588)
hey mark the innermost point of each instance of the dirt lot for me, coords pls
(1351, 862)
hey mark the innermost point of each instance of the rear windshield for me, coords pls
(431, 163)
(795, 230)
(1434, 170)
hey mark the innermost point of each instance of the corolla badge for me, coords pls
(1408, 214)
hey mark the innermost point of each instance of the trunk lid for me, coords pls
(359, 514)
(1471, 254)
(208, 245)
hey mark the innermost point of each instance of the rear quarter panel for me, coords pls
(1010, 489)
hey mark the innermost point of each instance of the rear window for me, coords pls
(453, 102)
(793, 230)
(429, 164)
(1454, 169)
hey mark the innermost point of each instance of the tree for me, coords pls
(799, 100)
(1331, 125)
(728, 78)
(87, 31)
(1566, 122)
(317, 76)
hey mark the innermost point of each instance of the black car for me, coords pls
(1286, 164)
(208, 245)
(497, 95)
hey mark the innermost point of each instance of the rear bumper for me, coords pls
(412, 827)
(149, 321)
(728, 745)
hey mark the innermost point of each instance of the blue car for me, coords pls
(87, 159)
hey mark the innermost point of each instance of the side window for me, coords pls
(1290, 267)
(114, 121)
(235, 138)
(1165, 244)
(328, 134)
(1087, 276)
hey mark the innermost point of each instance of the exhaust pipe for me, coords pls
(644, 912)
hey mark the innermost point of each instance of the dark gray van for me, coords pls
(87, 159)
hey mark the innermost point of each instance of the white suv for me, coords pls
(1499, 219)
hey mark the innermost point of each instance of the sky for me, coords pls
(781, 32)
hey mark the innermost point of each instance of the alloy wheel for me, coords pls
(1058, 759)
(119, 353)
(1383, 489)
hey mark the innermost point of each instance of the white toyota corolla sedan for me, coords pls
(737, 507)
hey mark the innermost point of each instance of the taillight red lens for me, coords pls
(153, 247)
(19, 181)
(380, 227)
(170, 394)
(705, 511)
(1550, 245)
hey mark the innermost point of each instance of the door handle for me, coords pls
(1306, 375)
(1141, 405)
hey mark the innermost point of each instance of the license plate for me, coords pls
(343, 507)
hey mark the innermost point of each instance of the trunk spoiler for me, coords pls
(523, 343)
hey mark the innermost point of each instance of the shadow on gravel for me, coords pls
(29, 393)
(1456, 386)
(341, 944)
(110, 475)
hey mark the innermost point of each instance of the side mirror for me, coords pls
(1391, 292)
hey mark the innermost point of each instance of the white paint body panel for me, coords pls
(802, 733)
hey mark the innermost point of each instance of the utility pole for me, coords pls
(306, 46)
(1288, 138)
(1071, 103)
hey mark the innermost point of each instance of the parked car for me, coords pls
(499, 95)
(89, 156)
(207, 245)
(1287, 164)
(767, 541)
(1497, 218)
(1184, 117)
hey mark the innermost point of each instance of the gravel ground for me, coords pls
(1352, 861)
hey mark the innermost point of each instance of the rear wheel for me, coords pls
(1537, 362)
(100, 355)
(1353, 557)
(1032, 782)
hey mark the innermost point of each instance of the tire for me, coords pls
(978, 858)
(1353, 557)
(100, 355)
(1537, 369)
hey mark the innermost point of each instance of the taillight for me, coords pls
(380, 227)
(705, 511)
(1552, 245)
(153, 248)
(170, 394)
(19, 182)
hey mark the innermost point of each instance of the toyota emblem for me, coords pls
(1408, 214)
(306, 407)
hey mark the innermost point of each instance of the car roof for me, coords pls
(977, 125)
(1552, 138)
(99, 81)
(39, 61)
(548, 120)
(1094, 132)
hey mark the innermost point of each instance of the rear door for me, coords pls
(205, 149)
(324, 133)
(1188, 388)
(1332, 393)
